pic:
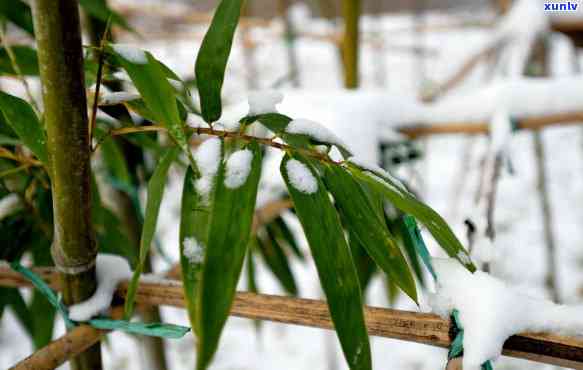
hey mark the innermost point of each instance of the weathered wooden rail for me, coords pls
(404, 325)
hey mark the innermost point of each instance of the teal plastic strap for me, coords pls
(169, 331)
(457, 346)
(153, 329)
(45, 290)
(413, 229)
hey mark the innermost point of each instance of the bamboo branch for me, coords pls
(476, 128)
(404, 325)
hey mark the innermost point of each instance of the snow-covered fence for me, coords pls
(404, 325)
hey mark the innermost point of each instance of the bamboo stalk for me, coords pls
(351, 15)
(404, 325)
(58, 34)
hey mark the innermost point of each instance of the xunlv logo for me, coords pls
(564, 6)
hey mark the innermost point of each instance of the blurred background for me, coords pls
(417, 62)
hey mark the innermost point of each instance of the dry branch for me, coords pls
(475, 128)
(404, 325)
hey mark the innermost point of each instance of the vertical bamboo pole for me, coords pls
(58, 37)
(351, 15)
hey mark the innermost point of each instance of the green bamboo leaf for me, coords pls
(365, 266)
(20, 116)
(23, 314)
(277, 261)
(331, 254)
(230, 229)
(100, 10)
(19, 13)
(115, 161)
(286, 237)
(363, 221)
(402, 199)
(194, 225)
(155, 193)
(212, 58)
(25, 57)
(43, 312)
(150, 79)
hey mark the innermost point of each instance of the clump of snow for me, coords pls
(491, 311)
(195, 121)
(117, 97)
(207, 157)
(237, 168)
(9, 205)
(110, 270)
(130, 53)
(314, 130)
(376, 170)
(261, 102)
(300, 177)
(193, 250)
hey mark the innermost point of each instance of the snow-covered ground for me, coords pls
(520, 243)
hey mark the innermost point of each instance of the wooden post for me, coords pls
(58, 35)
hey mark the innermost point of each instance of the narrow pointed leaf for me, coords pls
(26, 59)
(229, 233)
(335, 267)
(194, 225)
(20, 116)
(283, 233)
(277, 261)
(100, 10)
(19, 13)
(373, 235)
(155, 193)
(150, 79)
(212, 58)
(406, 202)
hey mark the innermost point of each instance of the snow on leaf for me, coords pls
(130, 53)
(315, 131)
(237, 168)
(193, 250)
(300, 177)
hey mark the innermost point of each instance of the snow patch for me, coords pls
(110, 270)
(376, 170)
(9, 205)
(207, 157)
(117, 97)
(300, 177)
(131, 53)
(237, 168)
(315, 131)
(491, 311)
(261, 102)
(193, 250)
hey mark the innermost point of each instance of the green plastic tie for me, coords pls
(169, 331)
(457, 345)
